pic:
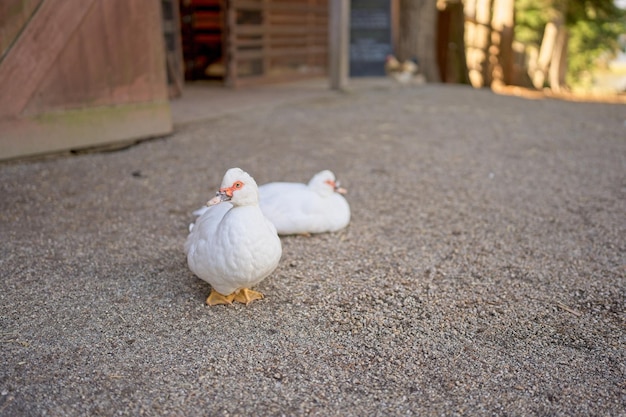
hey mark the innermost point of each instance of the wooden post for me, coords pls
(478, 42)
(501, 51)
(339, 43)
(229, 44)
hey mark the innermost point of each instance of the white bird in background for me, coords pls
(232, 246)
(407, 72)
(296, 208)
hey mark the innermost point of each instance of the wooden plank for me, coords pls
(207, 20)
(35, 51)
(14, 15)
(300, 42)
(282, 52)
(116, 55)
(339, 43)
(206, 38)
(277, 30)
(266, 25)
(269, 79)
(230, 45)
(206, 3)
(84, 73)
(294, 49)
(299, 20)
(173, 48)
(292, 34)
(280, 7)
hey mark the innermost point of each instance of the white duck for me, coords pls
(232, 246)
(296, 208)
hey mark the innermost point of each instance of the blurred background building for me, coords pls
(80, 73)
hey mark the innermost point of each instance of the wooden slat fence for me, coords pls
(276, 40)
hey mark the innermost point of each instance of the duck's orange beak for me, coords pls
(227, 192)
(336, 187)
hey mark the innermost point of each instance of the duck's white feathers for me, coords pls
(296, 208)
(233, 247)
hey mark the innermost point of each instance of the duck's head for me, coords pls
(238, 188)
(325, 184)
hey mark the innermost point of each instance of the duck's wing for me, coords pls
(292, 207)
(206, 225)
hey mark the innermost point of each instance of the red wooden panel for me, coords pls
(14, 14)
(33, 54)
(107, 60)
(84, 72)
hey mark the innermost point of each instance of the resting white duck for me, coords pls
(232, 246)
(296, 208)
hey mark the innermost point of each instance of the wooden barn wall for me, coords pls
(276, 40)
(82, 73)
(14, 15)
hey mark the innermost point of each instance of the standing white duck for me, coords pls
(296, 208)
(232, 246)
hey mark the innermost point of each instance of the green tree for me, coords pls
(594, 30)
(585, 29)
(530, 20)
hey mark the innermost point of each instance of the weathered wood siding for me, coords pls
(83, 73)
(270, 40)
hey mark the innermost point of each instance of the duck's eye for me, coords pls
(238, 184)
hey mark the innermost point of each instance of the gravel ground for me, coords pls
(483, 272)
